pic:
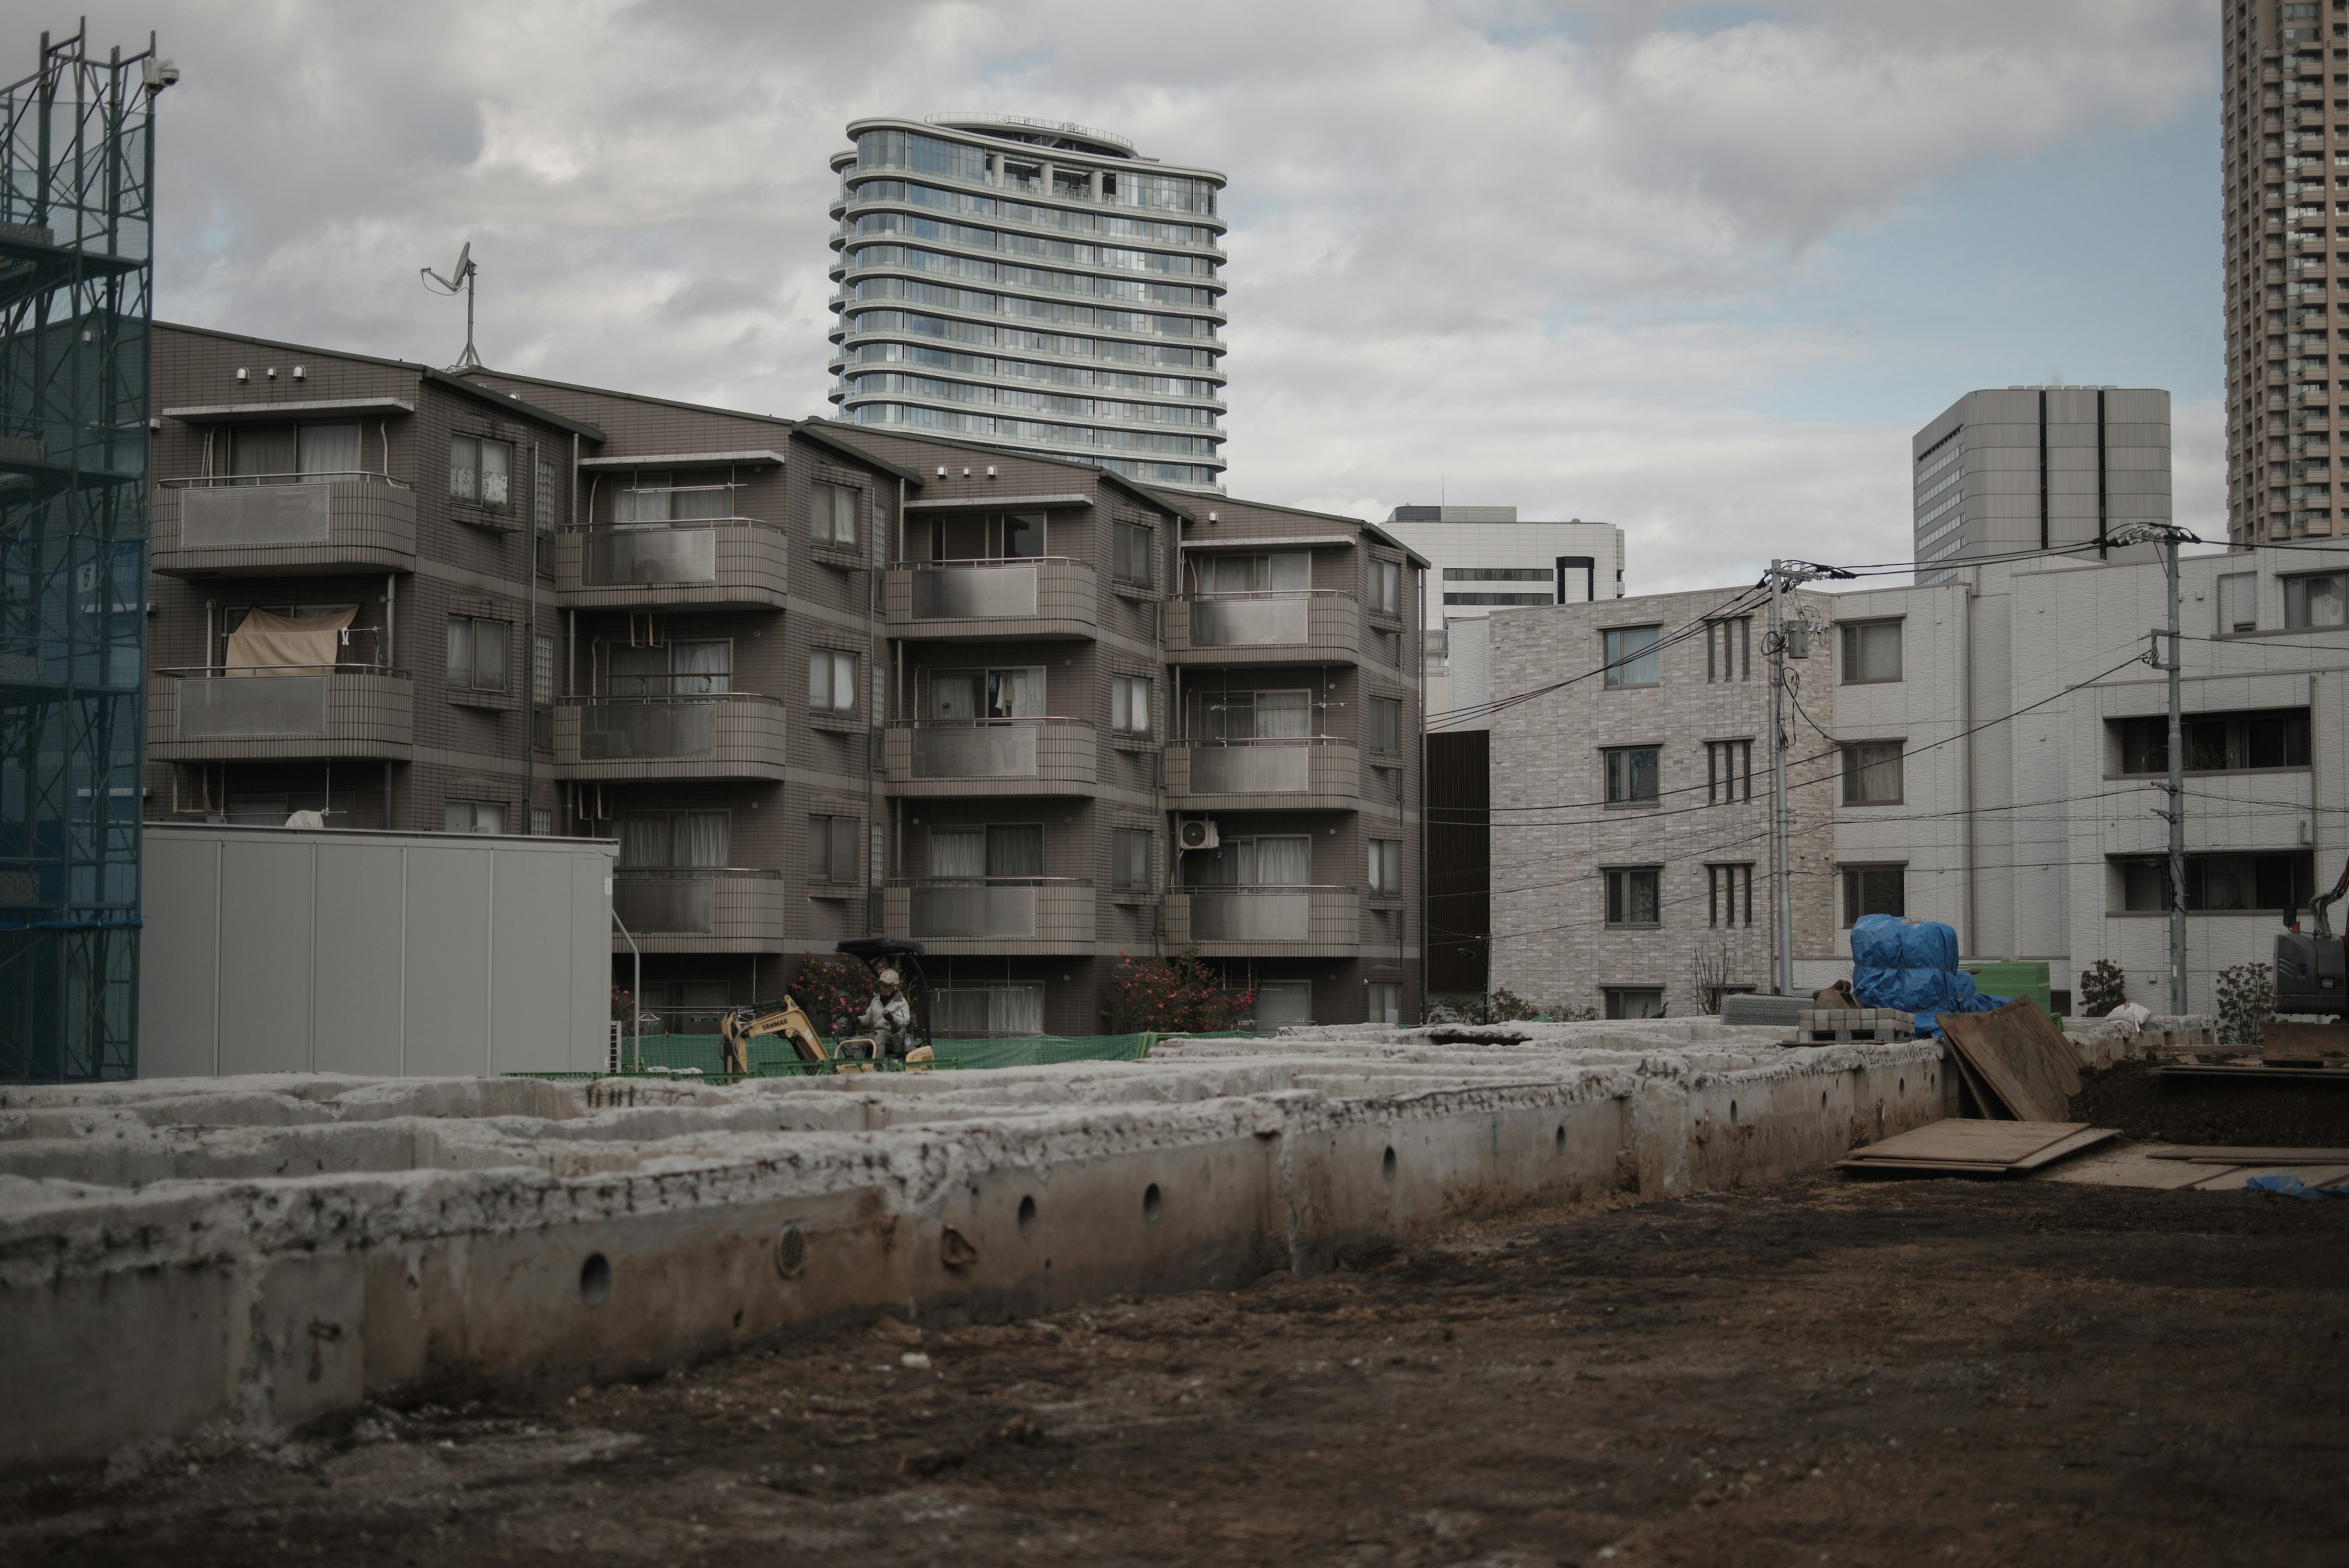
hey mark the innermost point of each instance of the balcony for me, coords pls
(1316, 774)
(1261, 921)
(725, 563)
(730, 909)
(1316, 626)
(1007, 915)
(991, 756)
(264, 526)
(1049, 596)
(292, 714)
(714, 735)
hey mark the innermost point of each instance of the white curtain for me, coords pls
(702, 667)
(954, 696)
(329, 451)
(644, 499)
(1227, 574)
(1015, 693)
(1284, 862)
(263, 449)
(1284, 1001)
(1283, 715)
(1291, 571)
(959, 852)
(646, 841)
(1015, 1010)
(709, 838)
(639, 672)
(701, 498)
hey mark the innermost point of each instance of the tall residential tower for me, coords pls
(2286, 70)
(1034, 285)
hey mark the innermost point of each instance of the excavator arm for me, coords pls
(2322, 902)
(745, 1024)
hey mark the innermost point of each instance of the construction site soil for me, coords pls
(2248, 1112)
(1943, 1371)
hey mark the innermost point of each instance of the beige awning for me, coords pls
(266, 644)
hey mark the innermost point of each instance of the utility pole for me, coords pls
(1780, 873)
(2170, 537)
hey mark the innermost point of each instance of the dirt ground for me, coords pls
(1922, 1372)
(2247, 1111)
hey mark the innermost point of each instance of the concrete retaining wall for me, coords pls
(240, 1257)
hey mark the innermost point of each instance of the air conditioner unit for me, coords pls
(1198, 834)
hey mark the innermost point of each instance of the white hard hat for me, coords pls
(887, 977)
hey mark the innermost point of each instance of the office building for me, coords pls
(2037, 468)
(2284, 177)
(1031, 286)
(817, 679)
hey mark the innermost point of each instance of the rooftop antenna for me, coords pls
(461, 275)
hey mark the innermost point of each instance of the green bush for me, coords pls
(1176, 995)
(2102, 987)
(2246, 1001)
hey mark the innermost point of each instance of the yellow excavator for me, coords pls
(856, 1053)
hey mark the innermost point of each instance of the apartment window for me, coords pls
(1634, 1000)
(1281, 1004)
(833, 845)
(671, 840)
(1632, 896)
(1872, 774)
(1871, 651)
(832, 515)
(831, 681)
(1633, 656)
(542, 821)
(1874, 890)
(965, 1011)
(683, 669)
(542, 497)
(1267, 861)
(1632, 775)
(1728, 648)
(2218, 742)
(1129, 858)
(480, 471)
(474, 816)
(1129, 704)
(1260, 716)
(2238, 606)
(1729, 895)
(286, 454)
(650, 496)
(1383, 1002)
(2222, 884)
(477, 653)
(1132, 556)
(1385, 870)
(1728, 771)
(542, 669)
(2321, 600)
(1386, 725)
(1386, 586)
(998, 850)
(1014, 693)
(1290, 571)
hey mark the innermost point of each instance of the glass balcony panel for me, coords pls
(947, 593)
(982, 752)
(635, 557)
(947, 910)
(617, 730)
(241, 518)
(648, 902)
(1269, 622)
(1257, 769)
(259, 707)
(1243, 916)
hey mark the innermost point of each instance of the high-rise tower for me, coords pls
(1033, 286)
(2286, 69)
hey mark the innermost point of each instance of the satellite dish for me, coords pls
(461, 275)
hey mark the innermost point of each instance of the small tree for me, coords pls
(1179, 995)
(2102, 987)
(1708, 974)
(2246, 1001)
(831, 989)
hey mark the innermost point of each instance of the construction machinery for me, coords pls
(2311, 978)
(853, 1054)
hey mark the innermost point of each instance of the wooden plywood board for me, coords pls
(2314, 1077)
(1971, 1142)
(2219, 1154)
(2064, 1148)
(2128, 1167)
(1987, 1103)
(1921, 1167)
(2021, 1055)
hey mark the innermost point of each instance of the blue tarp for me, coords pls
(1912, 965)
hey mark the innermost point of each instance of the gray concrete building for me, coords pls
(2281, 202)
(1034, 285)
(2037, 468)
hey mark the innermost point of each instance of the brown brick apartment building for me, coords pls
(818, 680)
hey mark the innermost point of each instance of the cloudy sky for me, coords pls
(1699, 269)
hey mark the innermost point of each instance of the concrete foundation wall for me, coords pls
(188, 1257)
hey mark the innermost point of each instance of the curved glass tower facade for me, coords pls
(1033, 285)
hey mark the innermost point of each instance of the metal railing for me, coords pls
(328, 476)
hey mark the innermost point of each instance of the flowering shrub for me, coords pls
(2246, 1001)
(2102, 987)
(831, 989)
(1173, 996)
(620, 1001)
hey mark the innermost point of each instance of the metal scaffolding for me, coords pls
(76, 208)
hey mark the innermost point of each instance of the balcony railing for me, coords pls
(711, 735)
(281, 524)
(1311, 769)
(731, 909)
(1012, 598)
(1310, 623)
(714, 563)
(287, 711)
(1304, 918)
(1033, 914)
(1027, 756)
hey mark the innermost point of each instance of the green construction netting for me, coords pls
(706, 1054)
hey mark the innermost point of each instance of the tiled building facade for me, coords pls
(820, 681)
